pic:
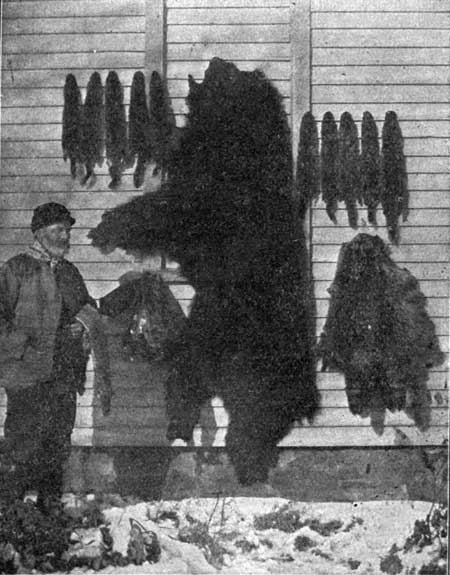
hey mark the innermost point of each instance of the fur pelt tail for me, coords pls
(394, 196)
(370, 166)
(349, 184)
(72, 128)
(116, 129)
(329, 164)
(93, 126)
(163, 131)
(138, 128)
(307, 181)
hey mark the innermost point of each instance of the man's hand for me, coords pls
(76, 329)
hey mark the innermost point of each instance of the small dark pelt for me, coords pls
(394, 196)
(349, 183)
(370, 166)
(329, 154)
(138, 128)
(308, 166)
(116, 129)
(72, 128)
(93, 142)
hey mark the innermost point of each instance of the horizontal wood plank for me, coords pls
(368, 94)
(73, 43)
(401, 20)
(236, 52)
(71, 9)
(379, 6)
(380, 38)
(241, 15)
(299, 437)
(273, 70)
(407, 74)
(415, 253)
(184, 4)
(423, 111)
(98, 60)
(87, 25)
(232, 33)
(356, 56)
(56, 78)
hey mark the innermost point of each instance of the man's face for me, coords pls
(55, 239)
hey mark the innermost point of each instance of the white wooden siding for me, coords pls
(377, 56)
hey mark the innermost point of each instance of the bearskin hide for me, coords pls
(116, 129)
(72, 127)
(93, 142)
(228, 219)
(394, 195)
(308, 164)
(138, 128)
(329, 155)
(370, 166)
(379, 335)
(349, 184)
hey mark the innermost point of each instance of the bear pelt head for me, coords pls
(226, 214)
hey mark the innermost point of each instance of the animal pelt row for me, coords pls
(348, 171)
(99, 127)
(226, 214)
(379, 335)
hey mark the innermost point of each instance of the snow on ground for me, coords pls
(340, 538)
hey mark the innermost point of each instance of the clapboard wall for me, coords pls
(341, 55)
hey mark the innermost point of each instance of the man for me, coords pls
(43, 355)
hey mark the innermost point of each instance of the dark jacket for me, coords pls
(37, 304)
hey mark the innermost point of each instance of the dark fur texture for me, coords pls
(349, 183)
(72, 128)
(93, 143)
(370, 166)
(138, 128)
(163, 131)
(378, 333)
(229, 222)
(308, 163)
(116, 129)
(329, 158)
(394, 196)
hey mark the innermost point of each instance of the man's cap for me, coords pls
(50, 213)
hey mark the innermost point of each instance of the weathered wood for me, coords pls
(71, 9)
(418, 56)
(415, 253)
(257, 15)
(56, 78)
(380, 38)
(251, 33)
(434, 288)
(73, 43)
(355, 74)
(180, 4)
(422, 271)
(239, 51)
(89, 25)
(299, 437)
(379, 5)
(75, 61)
(273, 70)
(389, 95)
(402, 20)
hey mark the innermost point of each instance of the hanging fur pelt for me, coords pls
(116, 129)
(72, 128)
(163, 132)
(394, 196)
(308, 167)
(93, 146)
(349, 184)
(138, 128)
(370, 166)
(379, 335)
(228, 219)
(329, 155)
